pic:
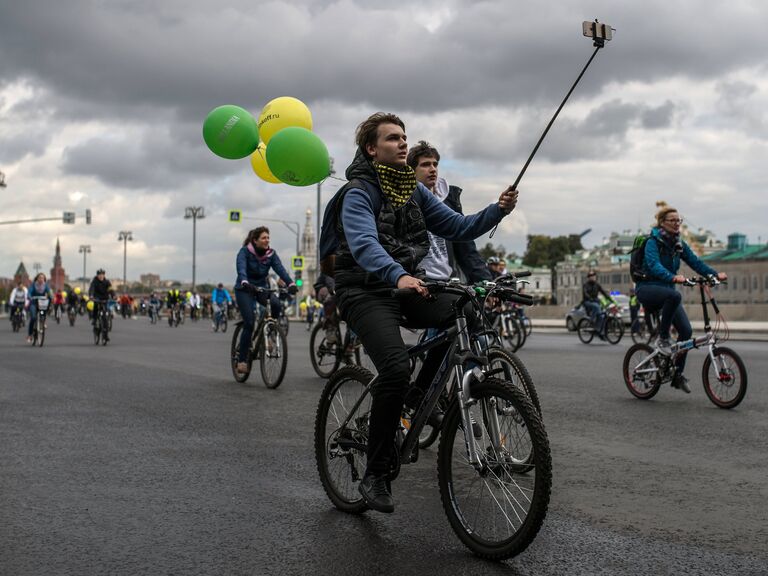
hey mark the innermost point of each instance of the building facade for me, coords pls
(745, 264)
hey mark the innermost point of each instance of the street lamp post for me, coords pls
(194, 212)
(317, 232)
(84, 249)
(125, 236)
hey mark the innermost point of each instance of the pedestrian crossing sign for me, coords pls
(297, 263)
(235, 216)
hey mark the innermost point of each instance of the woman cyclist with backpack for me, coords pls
(664, 250)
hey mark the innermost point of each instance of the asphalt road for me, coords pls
(145, 457)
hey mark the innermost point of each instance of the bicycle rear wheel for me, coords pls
(496, 511)
(725, 380)
(234, 356)
(324, 355)
(340, 451)
(642, 376)
(585, 330)
(512, 334)
(273, 358)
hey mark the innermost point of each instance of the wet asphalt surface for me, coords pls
(145, 457)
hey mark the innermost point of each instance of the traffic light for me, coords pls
(87, 215)
(299, 281)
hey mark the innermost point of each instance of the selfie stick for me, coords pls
(599, 33)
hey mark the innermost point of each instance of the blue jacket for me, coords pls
(254, 269)
(219, 296)
(661, 261)
(32, 292)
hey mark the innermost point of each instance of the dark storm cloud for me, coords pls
(157, 160)
(602, 133)
(187, 56)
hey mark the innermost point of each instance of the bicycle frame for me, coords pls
(449, 373)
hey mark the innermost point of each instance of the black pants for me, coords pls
(376, 319)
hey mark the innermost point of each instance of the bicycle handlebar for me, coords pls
(708, 281)
(500, 291)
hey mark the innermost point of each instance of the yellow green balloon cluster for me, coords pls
(280, 143)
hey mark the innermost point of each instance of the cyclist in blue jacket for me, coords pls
(38, 289)
(663, 252)
(254, 261)
(219, 296)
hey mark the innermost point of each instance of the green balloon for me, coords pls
(231, 132)
(298, 157)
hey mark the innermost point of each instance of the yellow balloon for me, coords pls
(63, 294)
(259, 165)
(303, 306)
(189, 295)
(77, 290)
(281, 113)
(86, 297)
(89, 306)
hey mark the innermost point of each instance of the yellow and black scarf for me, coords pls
(397, 185)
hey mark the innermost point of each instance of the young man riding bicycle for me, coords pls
(384, 217)
(664, 251)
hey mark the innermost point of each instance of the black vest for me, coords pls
(402, 233)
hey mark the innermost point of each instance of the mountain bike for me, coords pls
(101, 322)
(328, 348)
(494, 477)
(17, 318)
(282, 319)
(724, 374)
(511, 329)
(268, 346)
(612, 330)
(220, 321)
(174, 315)
(41, 311)
(57, 313)
(72, 314)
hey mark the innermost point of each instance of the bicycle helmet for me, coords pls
(493, 260)
(100, 271)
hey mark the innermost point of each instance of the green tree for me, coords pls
(490, 250)
(546, 251)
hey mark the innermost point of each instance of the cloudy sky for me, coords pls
(102, 104)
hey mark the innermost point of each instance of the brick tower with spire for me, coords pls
(58, 276)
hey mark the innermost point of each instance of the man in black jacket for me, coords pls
(445, 258)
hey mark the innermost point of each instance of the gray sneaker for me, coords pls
(681, 382)
(664, 346)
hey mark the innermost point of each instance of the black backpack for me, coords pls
(329, 239)
(637, 257)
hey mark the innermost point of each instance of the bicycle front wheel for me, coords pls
(725, 380)
(496, 509)
(273, 358)
(234, 356)
(614, 330)
(509, 368)
(341, 449)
